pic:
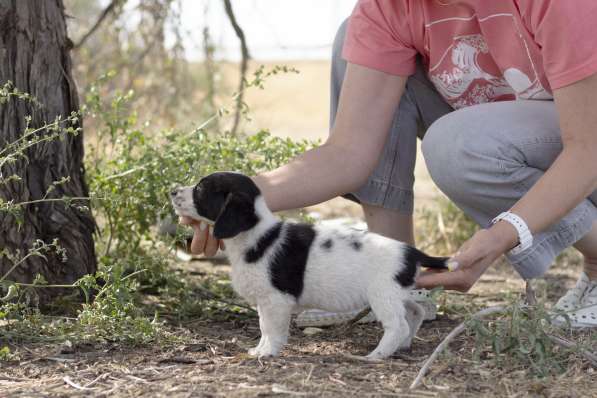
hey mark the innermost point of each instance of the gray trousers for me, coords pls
(484, 158)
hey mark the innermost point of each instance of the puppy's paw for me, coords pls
(376, 356)
(262, 352)
(268, 354)
(405, 346)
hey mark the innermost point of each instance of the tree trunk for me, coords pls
(34, 55)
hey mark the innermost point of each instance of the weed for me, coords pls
(130, 171)
(444, 228)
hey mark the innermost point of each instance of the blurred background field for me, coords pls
(195, 67)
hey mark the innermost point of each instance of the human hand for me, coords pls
(203, 239)
(473, 258)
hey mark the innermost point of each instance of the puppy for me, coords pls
(283, 268)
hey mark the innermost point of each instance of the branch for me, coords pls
(107, 11)
(453, 334)
(243, 64)
(589, 356)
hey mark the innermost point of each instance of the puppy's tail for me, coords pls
(423, 260)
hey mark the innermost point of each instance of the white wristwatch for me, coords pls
(525, 238)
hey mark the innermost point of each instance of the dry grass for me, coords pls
(212, 361)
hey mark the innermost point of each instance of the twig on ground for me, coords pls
(360, 358)
(588, 355)
(348, 325)
(98, 378)
(71, 383)
(280, 389)
(212, 296)
(453, 334)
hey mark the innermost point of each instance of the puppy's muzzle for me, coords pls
(174, 192)
(176, 196)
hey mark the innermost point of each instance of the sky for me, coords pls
(275, 29)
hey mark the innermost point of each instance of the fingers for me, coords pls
(199, 238)
(211, 246)
(204, 241)
(183, 220)
(469, 253)
(434, 270)
(458, 280)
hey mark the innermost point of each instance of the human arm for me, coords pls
(343, 163)
(571, 178)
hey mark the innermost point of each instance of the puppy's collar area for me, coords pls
(256, 252)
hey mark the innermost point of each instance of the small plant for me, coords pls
(444, 228)
(520, 337)
(6, 354)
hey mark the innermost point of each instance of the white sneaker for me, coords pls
(579, 304)
(324, 318)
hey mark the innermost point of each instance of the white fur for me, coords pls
(340, 279)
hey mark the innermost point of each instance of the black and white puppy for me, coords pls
(283, 267)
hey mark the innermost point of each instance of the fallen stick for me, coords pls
(588, 355)
(71, 383)
(360, 358)
(453, 334)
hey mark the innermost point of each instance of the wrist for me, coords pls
(505, 236)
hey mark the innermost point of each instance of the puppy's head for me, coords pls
(224, 199)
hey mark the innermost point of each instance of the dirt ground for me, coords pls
(212, 362)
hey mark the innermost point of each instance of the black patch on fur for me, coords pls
(211, 193)
(228, 199)
(265, 241)
(414, 258)
(355, 244)
(237, 215)
(327, 244)
(287, 267)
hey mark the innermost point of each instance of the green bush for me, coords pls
(130, 170)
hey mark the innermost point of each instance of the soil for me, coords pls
(213, 361)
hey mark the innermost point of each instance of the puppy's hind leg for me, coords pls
(414, 316)
(390, 311)
(274, 319)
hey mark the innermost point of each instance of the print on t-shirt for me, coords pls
(465, 71)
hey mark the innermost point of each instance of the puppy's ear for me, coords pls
(237, 215)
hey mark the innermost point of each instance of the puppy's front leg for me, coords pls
(274, 319)
(255, 350)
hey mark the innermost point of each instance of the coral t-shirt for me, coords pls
(478, 51)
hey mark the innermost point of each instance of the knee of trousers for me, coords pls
(446, 158)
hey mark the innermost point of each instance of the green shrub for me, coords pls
(130, 171)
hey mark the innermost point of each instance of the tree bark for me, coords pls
(35, 56)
